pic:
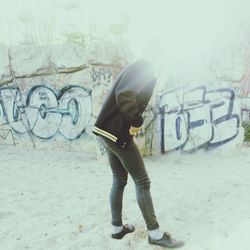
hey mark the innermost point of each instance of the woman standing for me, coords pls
(119, 120)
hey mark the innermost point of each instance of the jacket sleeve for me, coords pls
(130, 84)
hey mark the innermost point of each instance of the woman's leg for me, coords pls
(120, 177)
(132, 161)
(130, 158)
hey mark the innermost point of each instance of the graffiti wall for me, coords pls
(54, 103)
(45, 113)
(50, 97)
(197, 119)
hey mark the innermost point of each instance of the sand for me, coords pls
(60, 200)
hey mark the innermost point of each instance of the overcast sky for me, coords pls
(187, 33)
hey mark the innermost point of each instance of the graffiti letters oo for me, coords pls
(197, 119)
(48, 113)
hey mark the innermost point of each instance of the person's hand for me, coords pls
(134, 130)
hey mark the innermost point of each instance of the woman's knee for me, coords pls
(119, 182)
(143, 182)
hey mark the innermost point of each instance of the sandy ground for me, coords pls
(59, 200)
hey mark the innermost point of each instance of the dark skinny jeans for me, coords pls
(122, 162)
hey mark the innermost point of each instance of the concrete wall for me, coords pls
(50, 97)
(199, 119)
